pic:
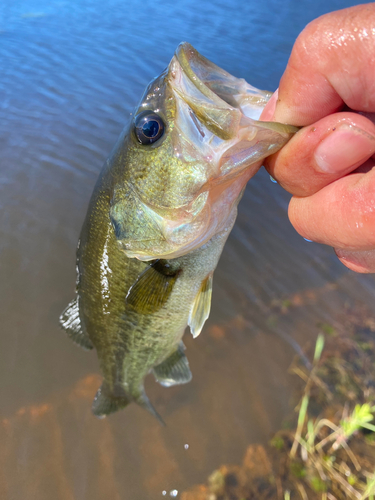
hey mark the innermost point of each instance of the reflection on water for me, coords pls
(71, 74)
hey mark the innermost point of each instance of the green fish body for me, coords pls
(157, 222)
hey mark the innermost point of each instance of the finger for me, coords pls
(360, 261)
(331, 64)
(269, 110)
(320, 154)
(341, 214)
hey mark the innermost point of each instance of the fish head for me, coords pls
(181, 167)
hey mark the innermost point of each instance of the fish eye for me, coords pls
(149, 127)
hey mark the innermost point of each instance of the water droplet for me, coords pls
(309, 241)
(186, 446)
(273, 180)
(173, 493)
(163, 493)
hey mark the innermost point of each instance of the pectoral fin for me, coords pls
(152, 289)
(174, 370)
(71, 323)
(201, 307)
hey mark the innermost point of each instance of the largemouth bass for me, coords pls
(157, 222)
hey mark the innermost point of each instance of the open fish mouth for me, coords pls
(218, 114)
(218, 98)
(182, 189)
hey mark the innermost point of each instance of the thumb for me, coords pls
(269, 110)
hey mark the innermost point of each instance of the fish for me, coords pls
(159, 216)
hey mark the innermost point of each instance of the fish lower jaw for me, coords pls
(170, 252)
(216, 227)
(173, 254)
(148, 258)
(157, 255)
(135, 255)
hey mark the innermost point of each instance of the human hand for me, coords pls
(328, 165)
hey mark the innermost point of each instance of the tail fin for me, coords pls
(105, 402)
(143, 401)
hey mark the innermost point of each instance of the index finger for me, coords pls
(331, 64)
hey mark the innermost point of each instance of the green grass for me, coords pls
(317, 441)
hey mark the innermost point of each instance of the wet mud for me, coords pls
(329, 452)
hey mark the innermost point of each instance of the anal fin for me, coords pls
(201, 307)
(71, 323)
(152, 289)
(174, 370)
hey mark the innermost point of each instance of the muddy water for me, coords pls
(71, 73)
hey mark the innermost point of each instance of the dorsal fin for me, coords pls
(71, 323)
(201, 307)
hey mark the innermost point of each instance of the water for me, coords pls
(71, 74)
